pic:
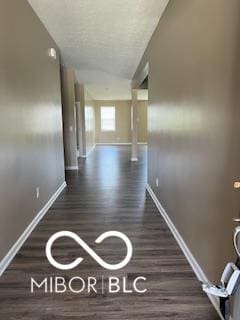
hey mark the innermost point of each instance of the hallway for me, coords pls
(107, 193)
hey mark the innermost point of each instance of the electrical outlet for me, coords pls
(37, 192)
(156, 182)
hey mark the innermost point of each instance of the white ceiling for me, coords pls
(103, 40)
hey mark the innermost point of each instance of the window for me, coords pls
(108, 122)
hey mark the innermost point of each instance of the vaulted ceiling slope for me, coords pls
(103, 40)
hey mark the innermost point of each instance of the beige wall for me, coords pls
(123, 122)
(30, 120)
(194, 124)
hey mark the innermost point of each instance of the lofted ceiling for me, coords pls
(103, 40)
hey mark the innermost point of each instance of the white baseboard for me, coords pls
(71, 168)
(189, 256)
(18, 244)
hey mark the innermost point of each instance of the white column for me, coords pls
(69, 119)
(82, 108)
(134, 156)
(80, 97)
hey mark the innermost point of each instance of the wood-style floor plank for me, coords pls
(107, 193)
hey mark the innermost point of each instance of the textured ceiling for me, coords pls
(103, 40)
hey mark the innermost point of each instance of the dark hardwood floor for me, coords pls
(107, 193)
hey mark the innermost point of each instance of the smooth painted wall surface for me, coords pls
(194, 124)
(122, 134)
(30, 120)
(142, 121)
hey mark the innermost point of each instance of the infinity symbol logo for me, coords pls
(83, 244)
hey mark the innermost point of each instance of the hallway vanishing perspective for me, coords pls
(107, 193)
(120, 160)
